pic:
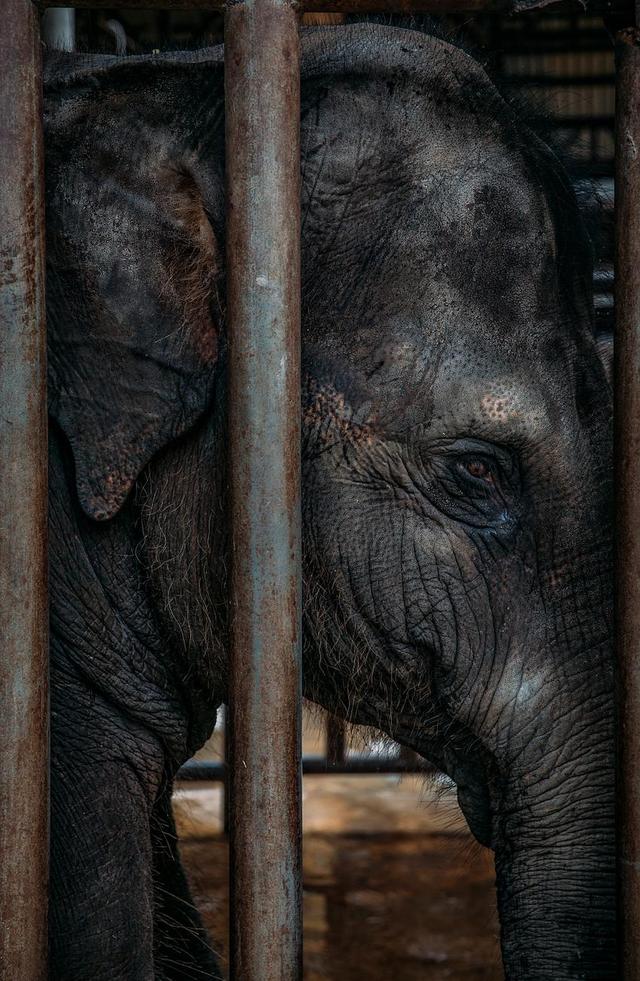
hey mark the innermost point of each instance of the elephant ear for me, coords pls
(133, 321)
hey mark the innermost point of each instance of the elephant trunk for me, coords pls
(555, 865)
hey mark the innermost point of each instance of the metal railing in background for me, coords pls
(339, 758)
(263, 280)
(214, 771)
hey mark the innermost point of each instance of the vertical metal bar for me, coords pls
(59, 28)
(336, 733)
(226, 762)
(24, 844)
(627, 389)
(262, 86)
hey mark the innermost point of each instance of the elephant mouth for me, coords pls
(475, 804)
(475, 775)
(474, 794)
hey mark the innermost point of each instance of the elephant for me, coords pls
(456, 473)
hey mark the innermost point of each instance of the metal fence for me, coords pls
(263, 247)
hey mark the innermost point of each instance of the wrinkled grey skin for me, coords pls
(456, 480)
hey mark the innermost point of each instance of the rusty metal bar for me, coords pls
(627, 388)
(262, 97)
(336, 740)
(24, 844)
(226, 755)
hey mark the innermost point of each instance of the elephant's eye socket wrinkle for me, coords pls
(473, 482)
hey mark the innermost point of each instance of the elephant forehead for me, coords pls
(368, 142)
(518, 391)
(518, 404)
(478, 249)
(438, 230)
(423, 309)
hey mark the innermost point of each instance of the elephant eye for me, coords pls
(471, 480)
(479, 469)
(474, 482)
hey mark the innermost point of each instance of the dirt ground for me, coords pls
(395, 889)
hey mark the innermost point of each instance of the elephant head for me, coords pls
(457, 460)
(456, 428)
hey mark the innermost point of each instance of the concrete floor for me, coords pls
(395, 889)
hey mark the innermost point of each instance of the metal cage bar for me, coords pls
(627, 456)
(262, 100)
(24, 842)
(59, 28)
(336, 740)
